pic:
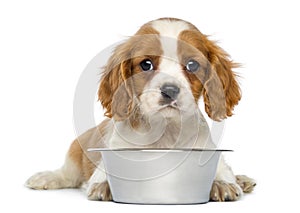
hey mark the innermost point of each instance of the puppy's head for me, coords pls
(166, 67)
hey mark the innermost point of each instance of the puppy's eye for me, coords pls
(146, 65)
(192, 66)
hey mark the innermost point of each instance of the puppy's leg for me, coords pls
(225, 187)
(98, 188)
(68, 176)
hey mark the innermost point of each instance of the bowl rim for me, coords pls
(157, 150)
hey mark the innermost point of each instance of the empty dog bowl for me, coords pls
(160, 176)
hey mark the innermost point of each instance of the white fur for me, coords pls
(225, 174)
(169, 28)
(125, 136)
(169, 70)
(98, 176)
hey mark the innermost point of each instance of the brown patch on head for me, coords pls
(147, 29)
(215, 80)
(123, 80)
(188, 49)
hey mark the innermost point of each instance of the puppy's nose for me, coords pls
(169, 91)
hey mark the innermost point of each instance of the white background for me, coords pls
(45, 46)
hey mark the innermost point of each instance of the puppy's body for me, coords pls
(150, 89)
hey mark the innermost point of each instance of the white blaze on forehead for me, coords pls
(169, 28)
(169, 70)
(169, 31)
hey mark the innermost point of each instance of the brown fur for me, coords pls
(123, 79)
(217, 82)
(84, 160)
(189, 49)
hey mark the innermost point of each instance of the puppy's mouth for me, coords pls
(169, 105)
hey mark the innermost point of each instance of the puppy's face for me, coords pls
(165, 68)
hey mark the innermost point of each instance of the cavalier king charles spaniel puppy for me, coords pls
(150, 90)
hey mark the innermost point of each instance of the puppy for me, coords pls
(150, 89)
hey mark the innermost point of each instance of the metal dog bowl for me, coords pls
(160, 176)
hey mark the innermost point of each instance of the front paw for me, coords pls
(44, 180)
(223, 191)
(100, 191)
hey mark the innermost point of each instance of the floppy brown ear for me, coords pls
(113, 92)
(221, 90)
